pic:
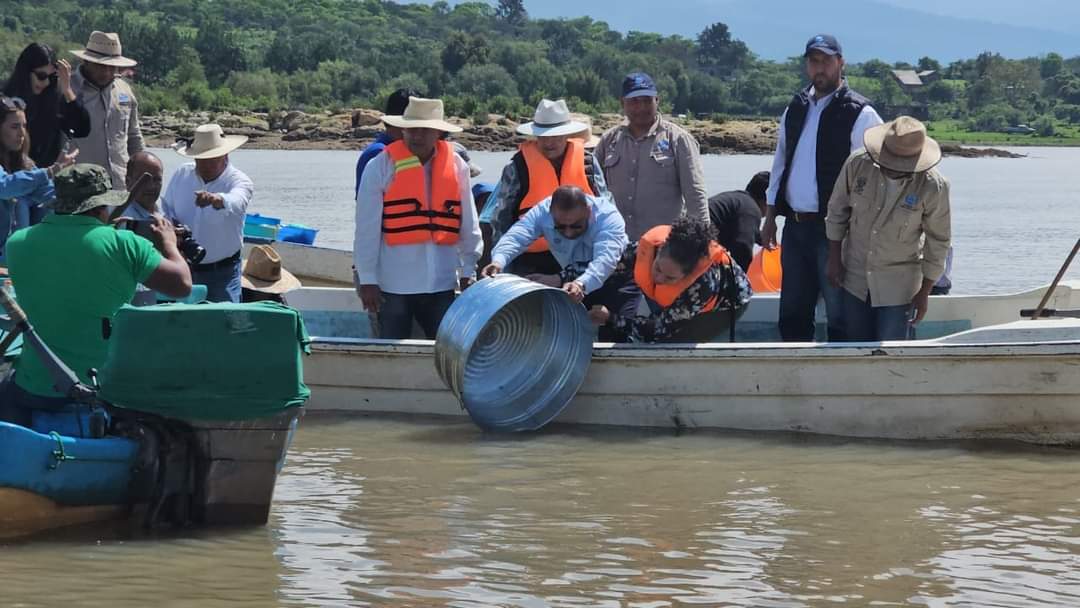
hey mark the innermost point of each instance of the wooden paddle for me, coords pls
(1049, 292)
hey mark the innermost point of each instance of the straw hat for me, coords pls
(422, 114)
(104, 48)
(209, 142)
(263, 272)
(902, 145)
(551, 119)
(591, 140)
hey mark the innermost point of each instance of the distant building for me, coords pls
(914, 83)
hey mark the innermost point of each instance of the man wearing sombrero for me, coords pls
(889, 231)
(417, 236)
(113, 108)
(211, 196)
(554, 155)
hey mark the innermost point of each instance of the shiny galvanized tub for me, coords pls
(514, 352)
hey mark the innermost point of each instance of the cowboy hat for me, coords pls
(551, 119)
(902, 145)
(422, 114)
(209, 141)
(586, 134)
(263, 272)
(104, 48)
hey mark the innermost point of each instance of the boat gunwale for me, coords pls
(726, 350)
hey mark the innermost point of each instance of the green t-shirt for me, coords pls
(70, 272)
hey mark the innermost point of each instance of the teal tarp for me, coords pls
(206, 361)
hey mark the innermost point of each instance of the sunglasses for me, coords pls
(576, 226)
(12, 103)
(43, 76)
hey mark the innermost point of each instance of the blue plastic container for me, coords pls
(297, 233)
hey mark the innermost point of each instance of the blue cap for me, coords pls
(826, 43)
(482, 188)
(638, 84)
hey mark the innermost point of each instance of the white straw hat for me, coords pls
(104, 48)
(210, 141)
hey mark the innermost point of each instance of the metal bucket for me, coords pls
(514, 352)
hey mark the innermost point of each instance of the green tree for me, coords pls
(1051, 65)
(484, 81)
(463, 49)
(539, 78)
(512, 12)
(717, 49)
(217, 48)
(928, 64)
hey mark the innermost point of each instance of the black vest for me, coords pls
(833, 140)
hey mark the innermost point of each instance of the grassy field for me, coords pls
(953, 131)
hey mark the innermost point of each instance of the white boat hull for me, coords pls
(1017, 381)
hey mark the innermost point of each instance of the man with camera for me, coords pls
(72, 272)
(211, 196)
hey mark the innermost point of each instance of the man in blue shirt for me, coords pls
(586, 235)
(395, 106)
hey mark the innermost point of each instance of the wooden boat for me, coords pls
(976, 372)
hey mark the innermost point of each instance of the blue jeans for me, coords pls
(868, 323)
(397, 312)
(803, 257)
(222, 284)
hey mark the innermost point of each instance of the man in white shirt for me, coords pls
(821, 127)
(417, 233)
(210, 196)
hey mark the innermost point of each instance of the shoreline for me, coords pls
(295, 130)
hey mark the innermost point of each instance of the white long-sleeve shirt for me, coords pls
(219, 231)
(802, 184)
(411, 269)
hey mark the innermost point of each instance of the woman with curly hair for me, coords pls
(691, 288)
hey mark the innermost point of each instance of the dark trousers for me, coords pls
(620, 298)
(398, 311)
(222, 283)
(804, 254)
(17, 405)
(865, 322)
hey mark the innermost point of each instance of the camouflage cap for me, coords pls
(83, 187)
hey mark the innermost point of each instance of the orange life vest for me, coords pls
(543, 181)
(665, 295)
(409, 217)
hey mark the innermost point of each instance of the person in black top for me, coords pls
(737, 214)
(53, 110)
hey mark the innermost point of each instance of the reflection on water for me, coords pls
(378, 513)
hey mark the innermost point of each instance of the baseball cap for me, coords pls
(826, 43)
(638, 84)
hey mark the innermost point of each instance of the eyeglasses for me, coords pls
(43, 76)
(12, 103)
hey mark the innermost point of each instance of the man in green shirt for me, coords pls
(71, 273)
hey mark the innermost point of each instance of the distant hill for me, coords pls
(867, 28)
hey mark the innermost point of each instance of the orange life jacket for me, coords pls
(543, 181)
(665, 295)
(408, 217)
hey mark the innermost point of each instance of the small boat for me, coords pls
(976, 371)
(143, 447)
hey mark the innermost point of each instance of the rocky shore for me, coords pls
(295, 130)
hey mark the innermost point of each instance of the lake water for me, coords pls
(432, 513)
(1014, 220)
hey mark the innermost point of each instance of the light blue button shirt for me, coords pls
(597, 250)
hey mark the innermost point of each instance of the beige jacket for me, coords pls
(895, 233)
(654, 179)
(114, 126)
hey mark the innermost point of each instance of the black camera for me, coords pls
(190, 249)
